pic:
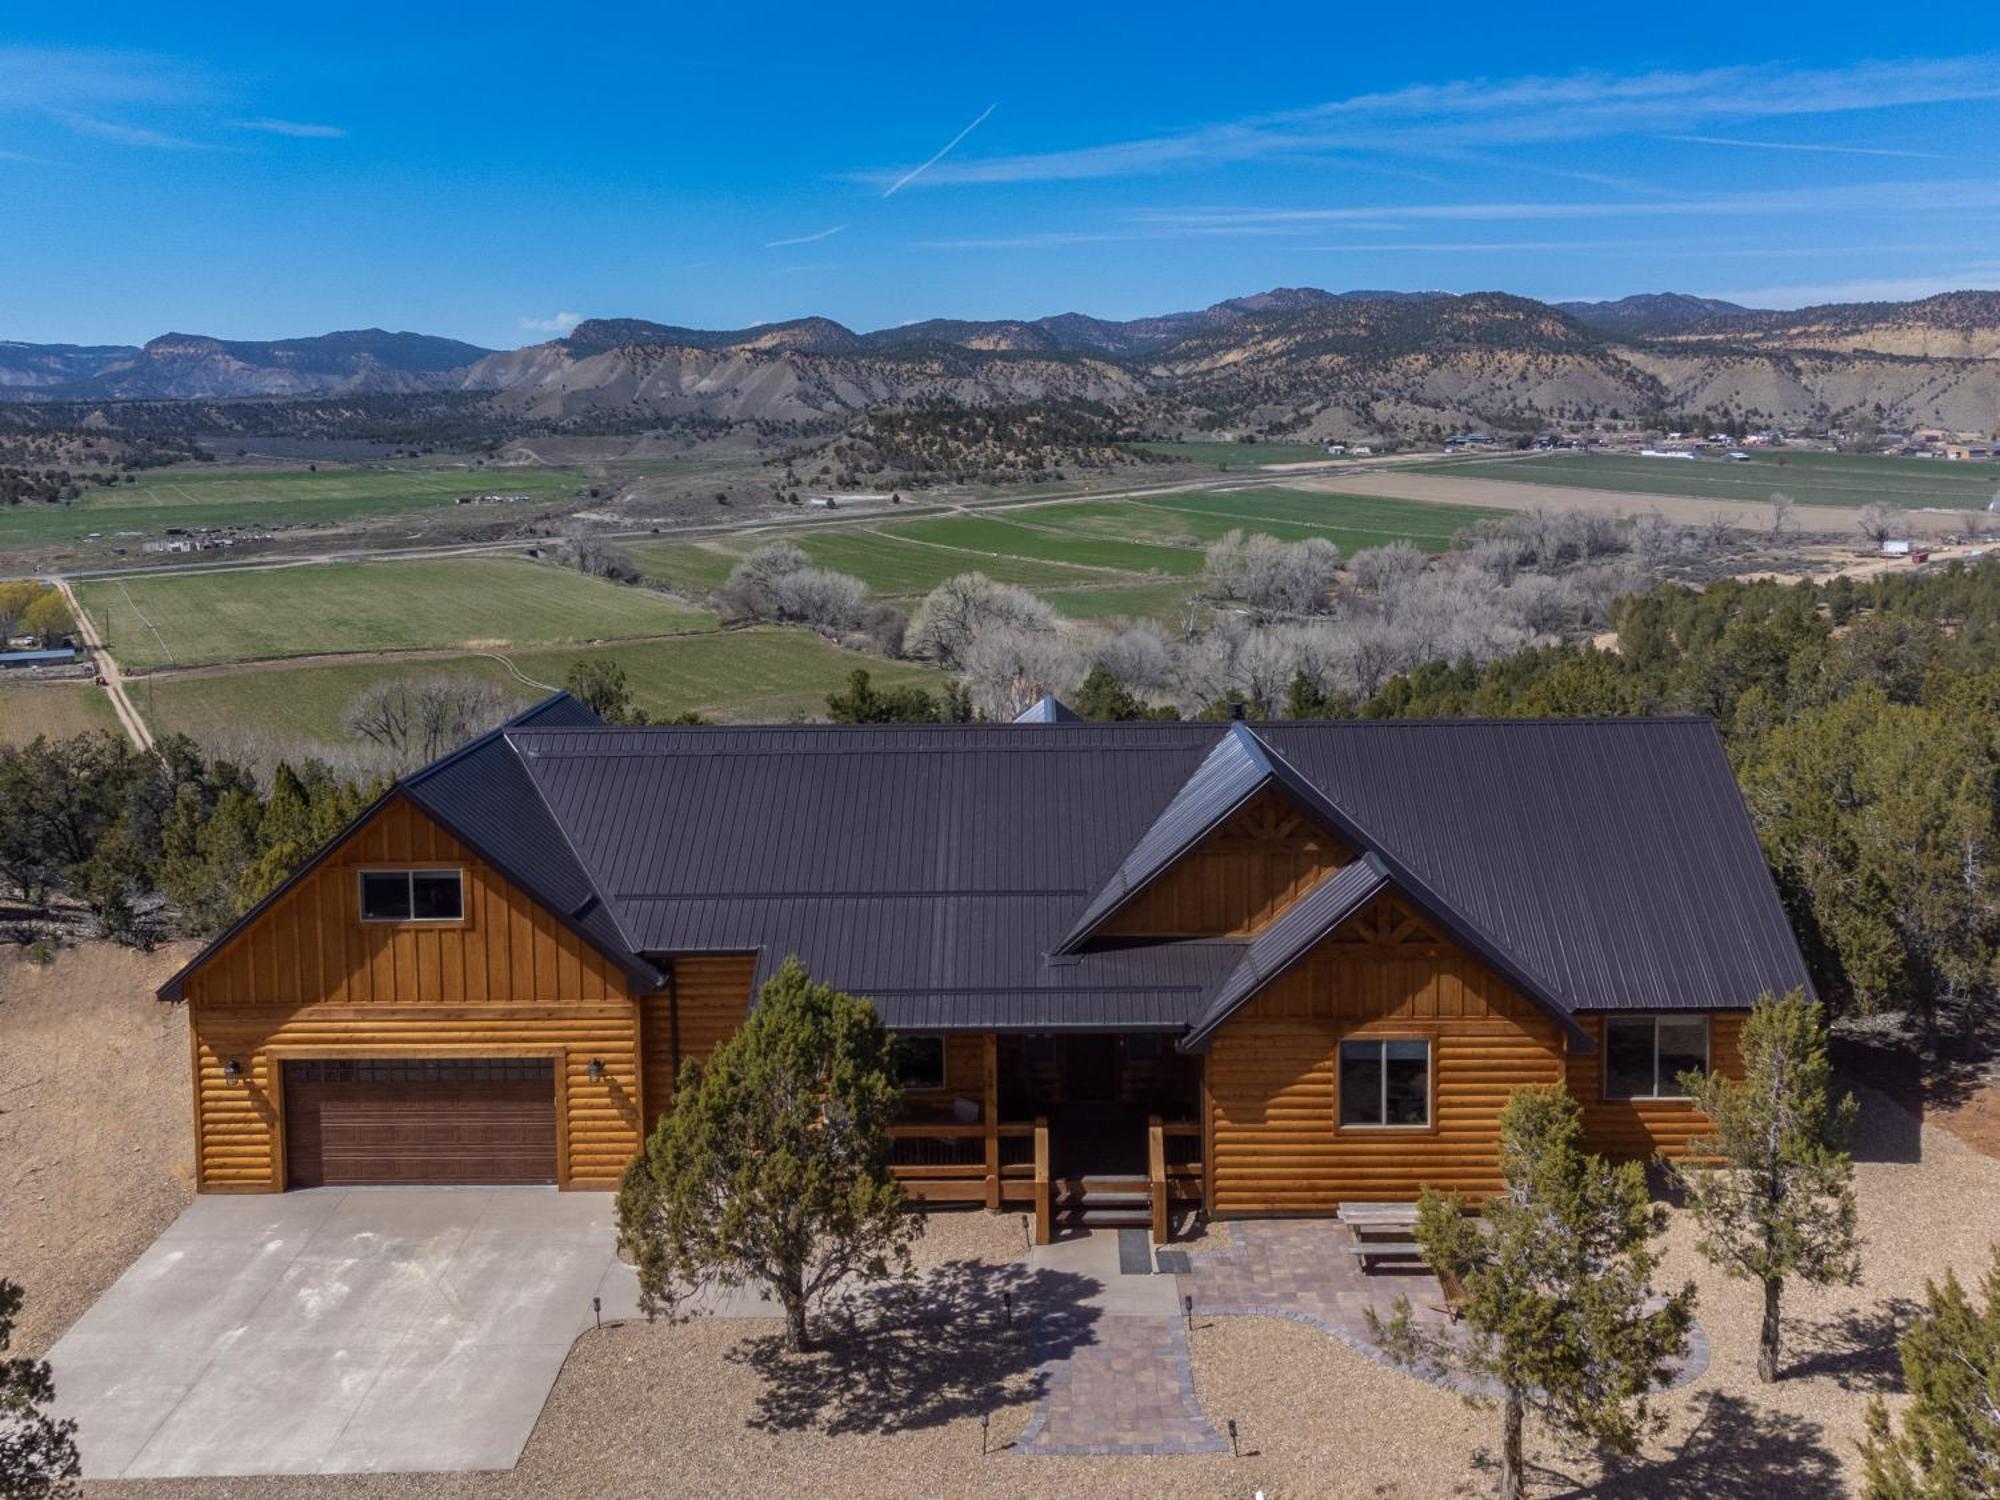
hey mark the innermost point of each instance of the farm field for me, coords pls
(56, 709)
(892, 566)
(191, 496)
(1035, 533)
(1835, 479)
(1239, 455)
(253, 613)
(745, 676)
(1351, 522)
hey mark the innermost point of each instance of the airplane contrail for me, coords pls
(915, 172)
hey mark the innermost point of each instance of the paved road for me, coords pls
(107, 668)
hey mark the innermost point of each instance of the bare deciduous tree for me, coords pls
(1784, 516)
(960, 609)
(1375, 569)
(418, 721)
(1876, 524)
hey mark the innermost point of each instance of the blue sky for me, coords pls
(494, 172)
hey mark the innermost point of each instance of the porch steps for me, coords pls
(1103, 1202)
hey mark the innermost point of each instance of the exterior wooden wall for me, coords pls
(308, 978)
(239, 1139)
(712, 994)
(313, 948)
(1641, 1128)
(1238, 878)
(1272, 1143)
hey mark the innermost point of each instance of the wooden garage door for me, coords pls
(472, 1119)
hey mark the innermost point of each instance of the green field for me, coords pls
(893, 567)
(752, 676)
(56, 709)
(1349, 521)
(1809, 478)
(981, 538)
(1240, 455)
(190, 496)
(252, 613)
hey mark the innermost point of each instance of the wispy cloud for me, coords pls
(1982, 275)
(805, 239)
(1435, 118)
(562, 322)
(51, 79)
(129, 135)
(303, 129)
(1724, 140)
(915, 172)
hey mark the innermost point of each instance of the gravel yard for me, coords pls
(91, 1174)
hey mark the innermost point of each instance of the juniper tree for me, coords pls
(1772, 1185)
(38, 1454)
(1560, 1317)
(1949, 1445)
(773, 1167)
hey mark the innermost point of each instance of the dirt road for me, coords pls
(107, 668)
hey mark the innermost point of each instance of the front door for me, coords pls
(1089, 1068)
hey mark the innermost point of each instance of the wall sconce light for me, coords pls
(232, 1070)
(596, 1070)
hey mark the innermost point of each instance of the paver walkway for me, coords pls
(1130, 1390)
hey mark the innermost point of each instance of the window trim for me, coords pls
(943, 1085)
(1429, 1044)
(1655, 1017)
(409, 872)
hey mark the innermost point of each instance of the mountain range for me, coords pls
(1294, 359)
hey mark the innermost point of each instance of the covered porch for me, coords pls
(1084, 1127)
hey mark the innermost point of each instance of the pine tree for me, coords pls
(773, 1166)
(38, 1454)
(1949, 1445)
(1560, 1317)
(1772, 1186)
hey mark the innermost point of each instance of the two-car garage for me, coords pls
(419, 1120)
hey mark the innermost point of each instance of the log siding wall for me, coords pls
(705, 1000)
(1629, 1129)
(1271, 1085)
(309, 978)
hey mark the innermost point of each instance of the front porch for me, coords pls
(1088, 1128)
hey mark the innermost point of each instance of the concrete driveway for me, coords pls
(340, 1330)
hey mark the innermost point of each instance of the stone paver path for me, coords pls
(1129, 1390)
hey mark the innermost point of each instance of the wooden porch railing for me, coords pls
(1173, 1167)
(993, 1164)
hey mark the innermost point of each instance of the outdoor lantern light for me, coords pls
(985, 1421)
(596, 1070)
(1234, 1451)
(232, 1070)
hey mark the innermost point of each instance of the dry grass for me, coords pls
(96, 1135)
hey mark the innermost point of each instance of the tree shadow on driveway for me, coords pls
(940, 1349)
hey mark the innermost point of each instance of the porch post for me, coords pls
(992, 1117)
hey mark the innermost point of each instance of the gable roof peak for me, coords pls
(1048, 709)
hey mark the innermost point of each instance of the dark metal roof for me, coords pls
(1048, 709)
(1313, 916)
(947, 870)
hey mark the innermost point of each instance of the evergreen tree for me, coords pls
(38, 1454)
(1772, 1186)
(1560, 1315)
(773, 1166)
(1949, 1445)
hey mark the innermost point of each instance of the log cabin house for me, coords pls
(1134, 968)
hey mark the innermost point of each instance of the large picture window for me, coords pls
(1644, 1056)
(1385, 1083)
(920, 1062)
(412, 896)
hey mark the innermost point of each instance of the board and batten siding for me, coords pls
(308, 978)
(705, 999)
(1238, 878)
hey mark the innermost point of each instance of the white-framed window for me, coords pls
(1644, 1056)
(413, 895)
(920, 1061)
(1385, 1083)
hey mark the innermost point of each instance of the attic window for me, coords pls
(412, 895)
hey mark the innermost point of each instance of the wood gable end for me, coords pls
(1238, 878)
(310, 947)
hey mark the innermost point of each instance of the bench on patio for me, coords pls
(1384, 1231)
